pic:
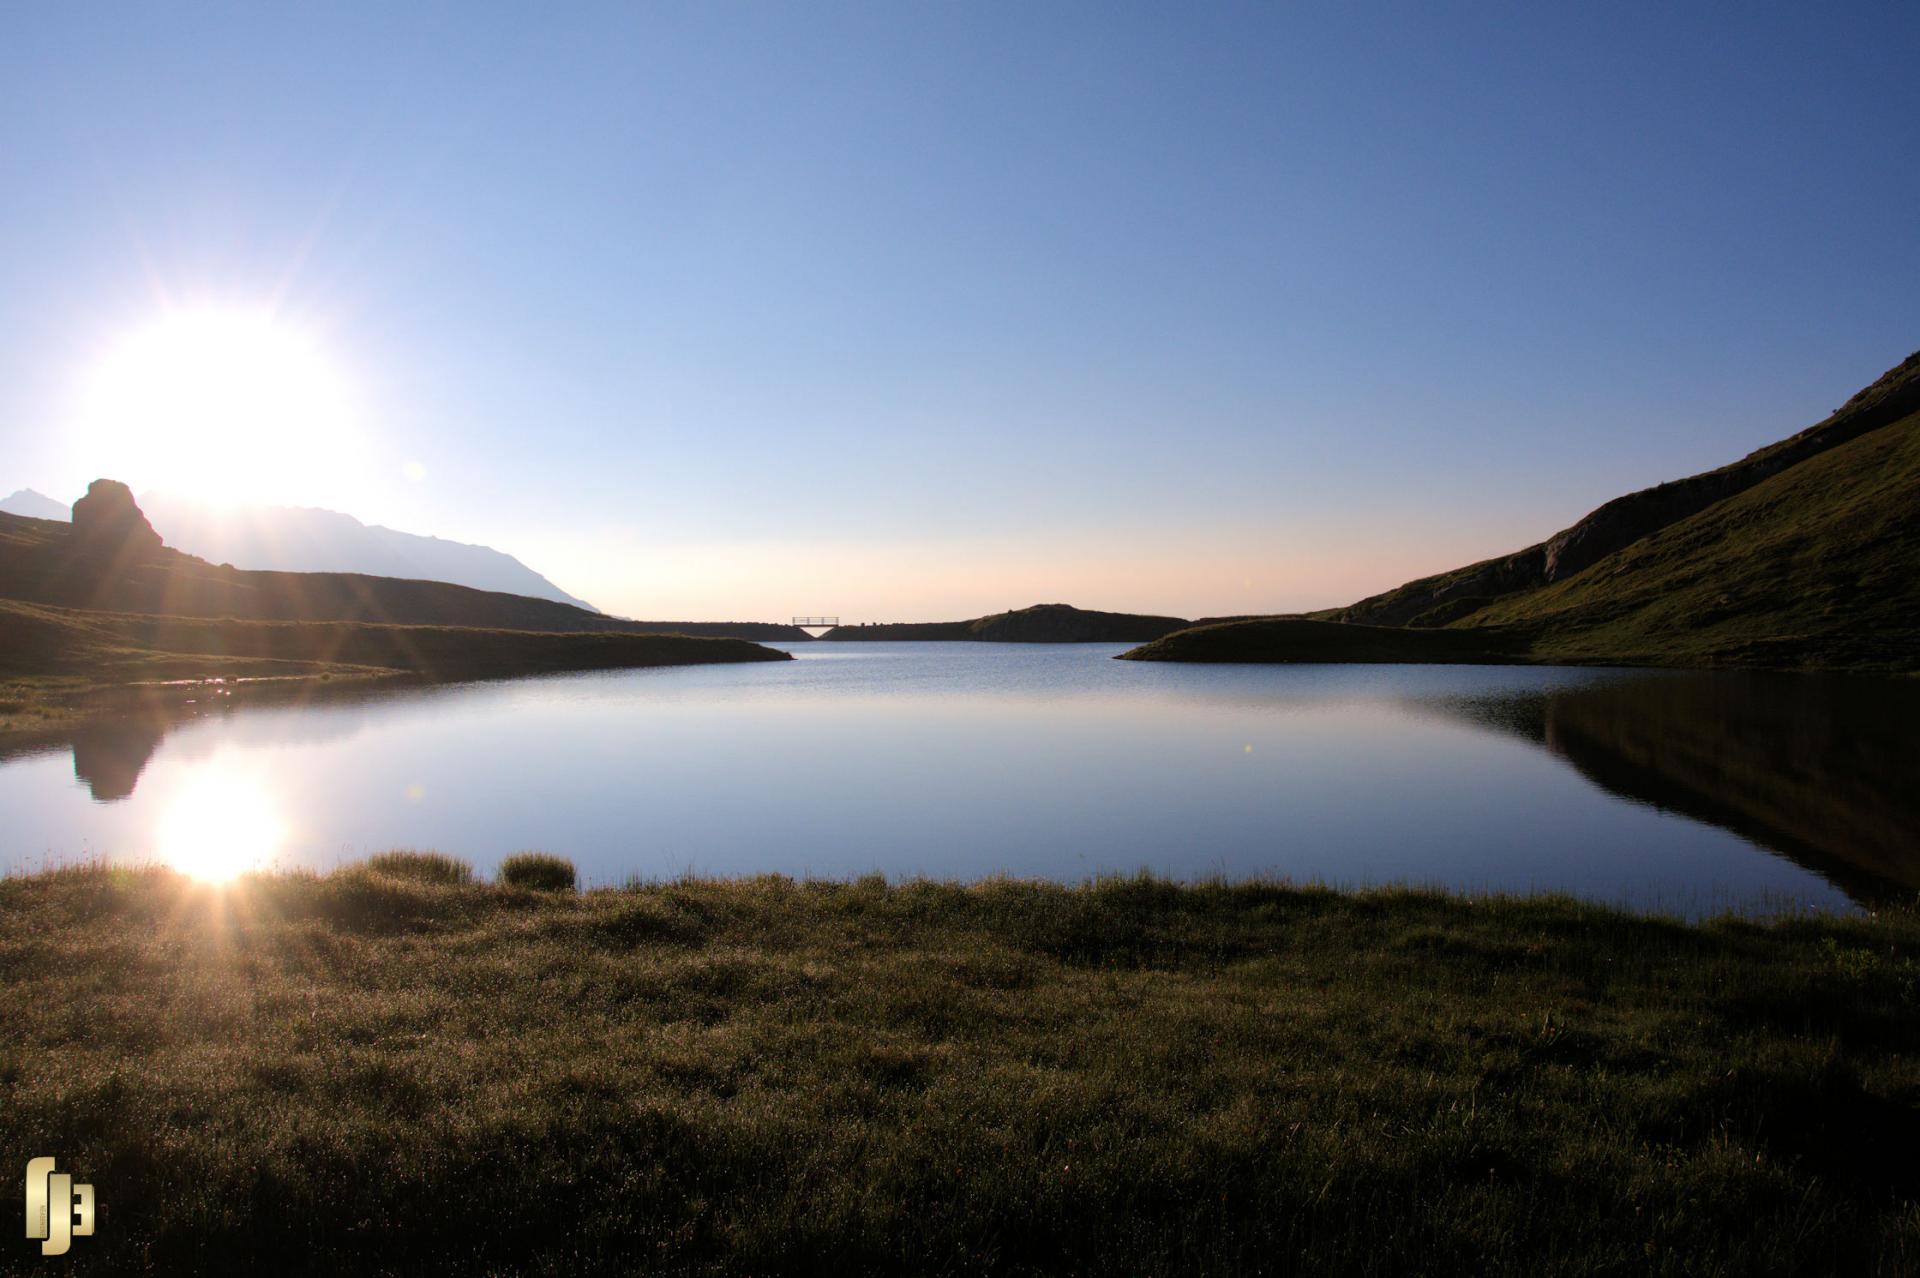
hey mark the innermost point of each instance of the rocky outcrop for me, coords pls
(107, 522)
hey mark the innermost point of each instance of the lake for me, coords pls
(1687, 792)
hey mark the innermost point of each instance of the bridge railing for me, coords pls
(816, 621)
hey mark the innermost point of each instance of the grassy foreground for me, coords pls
(382, 1071)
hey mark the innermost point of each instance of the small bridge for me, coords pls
(804, 622)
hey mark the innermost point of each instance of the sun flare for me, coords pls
(219, 404)
(218, 824)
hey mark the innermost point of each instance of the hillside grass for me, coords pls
(1451, 596)
(378, 1073)
(1813, 567)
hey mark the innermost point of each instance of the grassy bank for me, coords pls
(389, 1071)
(107, 647)
(1304, 639)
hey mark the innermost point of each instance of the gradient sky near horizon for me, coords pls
(916, 311)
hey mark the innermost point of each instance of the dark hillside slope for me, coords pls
(1817, 566)
(1812, 568)
(105, 648)
(1451, 596)
(1809, 562)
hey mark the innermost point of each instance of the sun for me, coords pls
(219, 823)
(221, 404)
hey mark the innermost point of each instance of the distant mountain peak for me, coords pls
(313, 539)
(34, 505)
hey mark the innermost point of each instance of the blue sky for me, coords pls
(922, 310)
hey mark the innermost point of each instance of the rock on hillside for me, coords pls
(107, 522)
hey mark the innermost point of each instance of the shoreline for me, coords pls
(1767, 911)
(1313, 641)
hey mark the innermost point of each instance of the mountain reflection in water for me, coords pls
(1821, 770)
(111, 752)
(1824, 770)
(109, 756)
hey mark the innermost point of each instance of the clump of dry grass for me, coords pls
(423, 867)
(540, 871)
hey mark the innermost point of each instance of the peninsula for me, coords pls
(1041, 623)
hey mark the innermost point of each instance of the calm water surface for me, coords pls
(1684, 792)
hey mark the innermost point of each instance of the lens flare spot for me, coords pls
(219, 823)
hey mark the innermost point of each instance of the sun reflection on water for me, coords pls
(219, 823)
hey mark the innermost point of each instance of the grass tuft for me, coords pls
(541, 871)
(421, 867)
